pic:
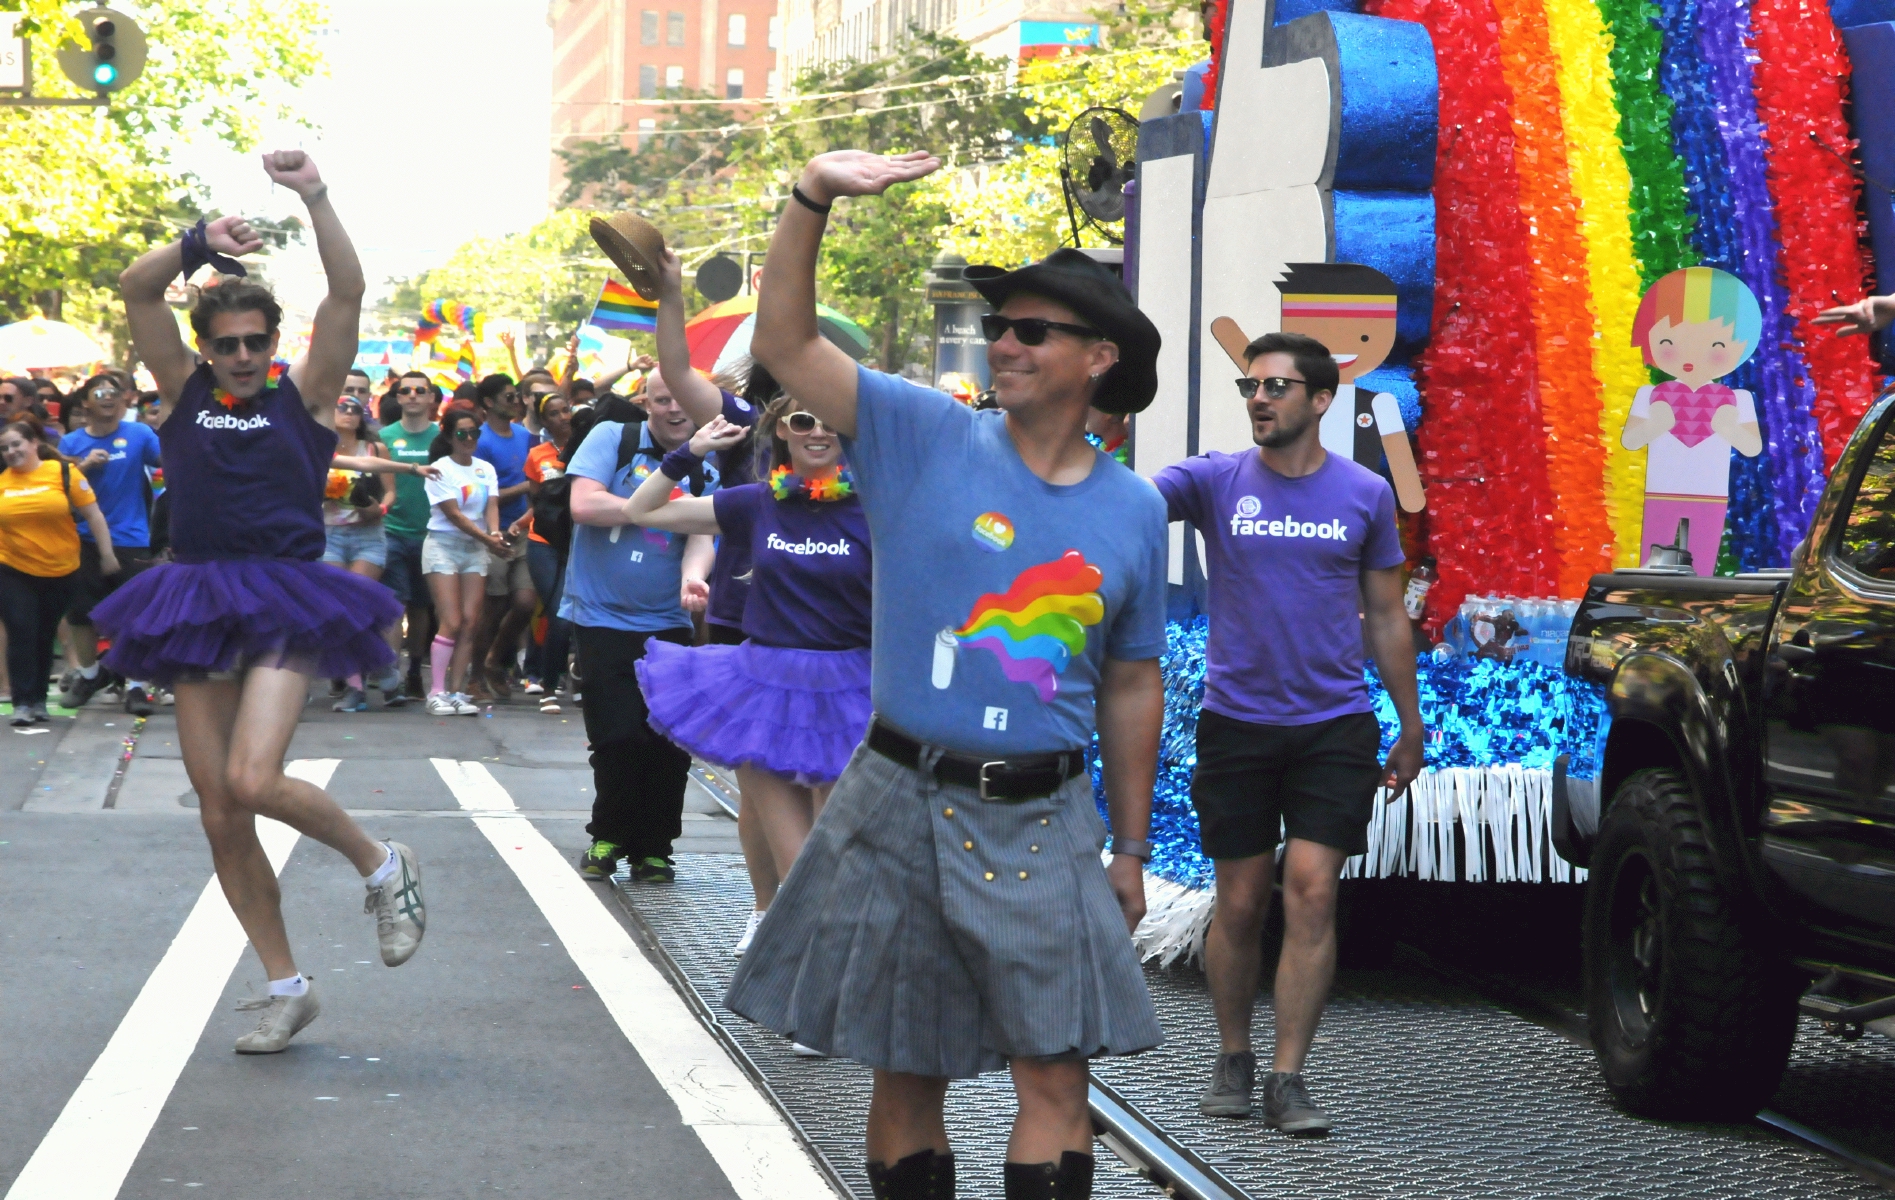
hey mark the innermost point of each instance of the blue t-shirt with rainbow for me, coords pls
(998, 596)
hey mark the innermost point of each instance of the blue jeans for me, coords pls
(548, 661)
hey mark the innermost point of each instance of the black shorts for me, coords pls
(91, 585)
(1314, 782)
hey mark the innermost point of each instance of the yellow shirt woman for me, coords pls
(37, 533)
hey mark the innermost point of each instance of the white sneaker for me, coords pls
(400, 915)
(750, 931)
(549, 705)
(463, 707)
(802, 1051)
(441, 704)
(533, 688)
(283, 1017)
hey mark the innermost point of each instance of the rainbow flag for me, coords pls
(619, 307)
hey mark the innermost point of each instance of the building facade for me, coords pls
(616, 62)
(817, 32)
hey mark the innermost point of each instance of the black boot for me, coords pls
(1069, 1179)
(923, 1175)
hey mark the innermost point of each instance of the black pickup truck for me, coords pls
(1738, 818)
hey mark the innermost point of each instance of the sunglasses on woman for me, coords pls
(255, 343)
(467, 435)
(1031, 331)
(1276, 386)
(803, 422)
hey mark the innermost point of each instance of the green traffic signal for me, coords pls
(112, 54)
(105, 75)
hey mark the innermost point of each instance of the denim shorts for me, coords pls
(452, 554)
(356, 543)
(402, 573)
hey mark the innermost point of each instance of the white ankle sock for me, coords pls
(386, 871)
(295, 985)
(91, 672)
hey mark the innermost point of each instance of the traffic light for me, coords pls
(114, 53)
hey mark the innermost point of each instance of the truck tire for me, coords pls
(1691, 1015)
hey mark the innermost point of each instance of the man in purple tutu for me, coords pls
(949, 914)
(246, 614)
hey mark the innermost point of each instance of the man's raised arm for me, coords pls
(820, 376)
(155, 337)
(319, 373)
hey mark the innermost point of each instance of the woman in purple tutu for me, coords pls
(787, 706)
(246, 614)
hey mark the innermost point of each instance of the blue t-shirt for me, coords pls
(1286, 562)
(120, 483)
(997, 595)
(623, 577)
(508, 456)
(810, 567)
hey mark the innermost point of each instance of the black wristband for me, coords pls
(197, 252)
(681, 463)
(821, 210)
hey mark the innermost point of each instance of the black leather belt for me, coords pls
(1008, 780)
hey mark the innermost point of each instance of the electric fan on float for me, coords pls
(1098, 155)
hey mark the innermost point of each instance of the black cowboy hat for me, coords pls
(1096, 295)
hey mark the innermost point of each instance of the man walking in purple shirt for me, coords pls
(1299, 541)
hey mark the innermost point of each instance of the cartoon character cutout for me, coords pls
(1351, 309)
(1696, 325)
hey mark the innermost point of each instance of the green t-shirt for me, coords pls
(409, 516)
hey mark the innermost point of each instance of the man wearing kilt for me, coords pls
(949, 913)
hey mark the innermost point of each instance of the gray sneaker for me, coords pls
(1231, 1083)
(400, 915)
(283, 1017)
(1287, 1106)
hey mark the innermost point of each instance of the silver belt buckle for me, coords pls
(982, 778)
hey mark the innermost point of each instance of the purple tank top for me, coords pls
(244, 482)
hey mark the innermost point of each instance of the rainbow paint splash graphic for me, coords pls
(1034, 628)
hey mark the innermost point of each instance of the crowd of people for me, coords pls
(900, 619)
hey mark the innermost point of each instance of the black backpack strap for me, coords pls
(65, 483)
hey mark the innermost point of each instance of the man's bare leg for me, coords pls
(1308, 964)
(1233, 949)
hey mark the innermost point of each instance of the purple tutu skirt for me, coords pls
(794, 713)
(183, 619)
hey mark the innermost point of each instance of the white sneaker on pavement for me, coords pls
(802, 1051)
(463, 707)
(401, 917)
(533, 688)
(750, 931)
(441, 704)
(283, 1017)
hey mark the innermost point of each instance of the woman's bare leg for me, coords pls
(758, 860)
(784, 811)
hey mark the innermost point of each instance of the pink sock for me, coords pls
(354, 681)
(438, 658)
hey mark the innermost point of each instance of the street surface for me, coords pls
(530, 1047)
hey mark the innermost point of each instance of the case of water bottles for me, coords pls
(1509, 629)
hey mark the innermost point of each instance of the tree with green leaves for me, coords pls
(90, 189)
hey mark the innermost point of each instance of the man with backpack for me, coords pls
(406, 522)
(623, 587)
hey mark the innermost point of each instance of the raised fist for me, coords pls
(294, 170)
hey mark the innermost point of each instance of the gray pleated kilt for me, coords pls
(927, 932)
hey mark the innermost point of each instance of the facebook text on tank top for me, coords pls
(245, 482)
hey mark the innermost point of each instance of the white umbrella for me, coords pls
(42, 343)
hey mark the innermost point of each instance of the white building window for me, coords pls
(647, 127)
(734, 84)
(769, 84)
(739, 28)
(674, 80)
(776, 30)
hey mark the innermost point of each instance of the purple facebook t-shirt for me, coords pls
(810, 582)
(1286, 558)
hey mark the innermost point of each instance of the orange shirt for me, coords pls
(540, 460)
(37, 531)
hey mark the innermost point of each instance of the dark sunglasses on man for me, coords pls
(1275, 387)
(804, 422)
(255, 343)
(414, 391)
(102, 393)
(1031, 331)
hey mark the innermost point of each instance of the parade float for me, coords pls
(1540, 184)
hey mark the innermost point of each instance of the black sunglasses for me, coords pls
(413, 391)
(255, 343)
(1031, 331)
(1276, 387)
(803, 422)
(467, 434)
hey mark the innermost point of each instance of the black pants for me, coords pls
(638, 776)
(30, 607)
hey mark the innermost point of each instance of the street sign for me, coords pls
(12, 54)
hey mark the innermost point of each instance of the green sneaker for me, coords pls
(653, 870)
(600, 860)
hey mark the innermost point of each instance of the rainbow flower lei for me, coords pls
(230, 402)
(785, 483)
